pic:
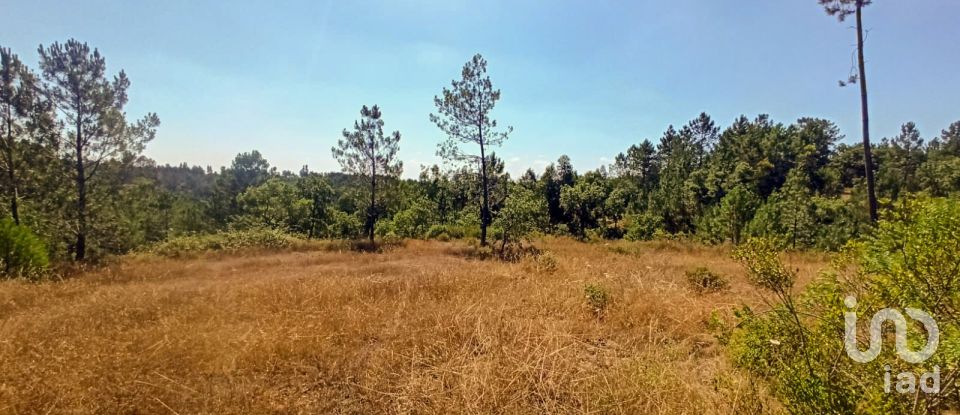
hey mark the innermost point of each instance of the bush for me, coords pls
(445, 232)
(384, 227)
(702, 280)
(22, 253)
(798, 345)
(545, 262)
(414, 221)
(223, 241)
(434, 231)
(642, 227)
(343, 225)
(598, 299)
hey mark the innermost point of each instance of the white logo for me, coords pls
(876, 334)
(906, 382)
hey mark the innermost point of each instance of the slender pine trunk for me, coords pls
(485, 206)
(372, 212)
(867, 152)
(81, 246)
(372, 215)
(12, 172)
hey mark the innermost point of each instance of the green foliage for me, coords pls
(702, 280)
(940, 176)
(642, 227)
(838, 221)
(912, 257)
(788, 216)
(761, 259)
(437, 232)
(522, 214)
(370, 154)
(463, 114)
(231, 241)
(415, 220)
(275, 204)
(22, 254)
(680, 155)
(757, 177)
(584, 202)
(77, 83)
(909, 261)
(729, 220)
(343, 225)
(598, 299)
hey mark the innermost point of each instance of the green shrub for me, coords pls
(797, 346)
(445, 232)
(343, 225)
(642, 227)
(545, 262)
(384, 227)
(223, 241)
(612, 231)
(22, 253)
(435, 231)
(702, 280)
(414, 221)
(598, 299)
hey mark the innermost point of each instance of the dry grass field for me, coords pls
(419, 329)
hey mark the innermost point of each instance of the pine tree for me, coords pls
(796, 214)
(92, 107)
(843, 9)
(464, 115)
(367, 152)
(20, 106)
(908, 154)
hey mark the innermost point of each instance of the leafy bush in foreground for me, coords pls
(910, 261)
(21, 252)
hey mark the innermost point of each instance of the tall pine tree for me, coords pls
(367, 152)
(463, 113)
(92, 106)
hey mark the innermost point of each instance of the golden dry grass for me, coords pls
(418, 329)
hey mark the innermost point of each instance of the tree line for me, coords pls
(74, 173)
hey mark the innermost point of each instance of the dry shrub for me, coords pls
(543, 263)
(702, 280)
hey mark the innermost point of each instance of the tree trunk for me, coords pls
(11, 171)
(867, 152)
(372, 214)
(485, 207)
(485, 204)
(14, 202)
(81, 247)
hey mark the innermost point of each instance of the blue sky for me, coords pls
(583, 78)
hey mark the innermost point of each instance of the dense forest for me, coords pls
(75, 175)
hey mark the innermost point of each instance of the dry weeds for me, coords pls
(418, 329)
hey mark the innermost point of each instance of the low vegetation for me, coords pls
(702, 280)
(416, 329)
(22, 254)
(232, 241)
(797, 345)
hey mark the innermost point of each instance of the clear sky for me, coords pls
(583, 78)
